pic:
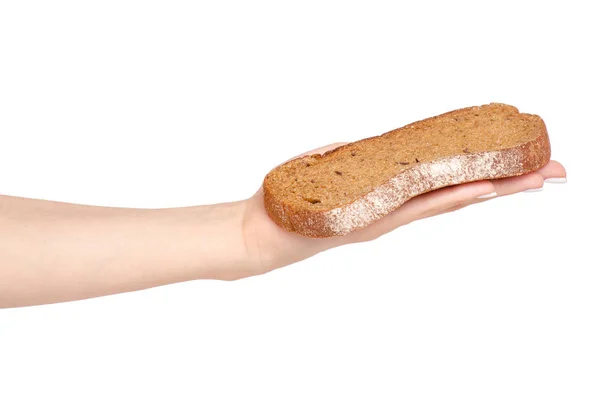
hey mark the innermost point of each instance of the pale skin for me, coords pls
(54, 252)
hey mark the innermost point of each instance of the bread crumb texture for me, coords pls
(354, 185)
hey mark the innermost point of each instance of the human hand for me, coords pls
(270, 247)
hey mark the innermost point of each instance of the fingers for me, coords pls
(517, 184)
(456, 197)
(448, 196)
(422, 206)
(553, 172)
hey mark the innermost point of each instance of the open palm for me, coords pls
(271, 247)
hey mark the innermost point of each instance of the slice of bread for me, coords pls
(353, 185)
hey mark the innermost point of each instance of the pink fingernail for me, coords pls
(556, 180)
(489, 195)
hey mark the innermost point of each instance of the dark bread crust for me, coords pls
(413, 181)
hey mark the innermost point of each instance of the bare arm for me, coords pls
(51, 252)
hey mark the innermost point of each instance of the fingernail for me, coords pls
(537, 189)
(489, 195)
(556, 180)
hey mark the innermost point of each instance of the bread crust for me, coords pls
(411, 182)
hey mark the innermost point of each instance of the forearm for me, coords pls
(51, 252)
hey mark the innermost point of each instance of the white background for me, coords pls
(173, 103)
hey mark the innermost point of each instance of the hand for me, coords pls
(270, 247)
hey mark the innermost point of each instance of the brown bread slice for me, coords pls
(354, 185)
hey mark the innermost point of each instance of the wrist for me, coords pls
(219, 244)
